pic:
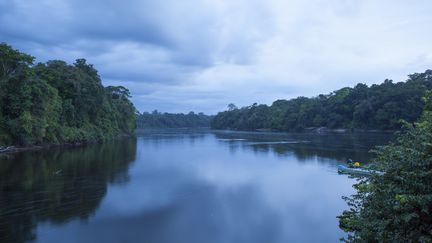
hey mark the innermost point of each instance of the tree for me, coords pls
(118, 92)
(12, 60)
(396, 206)
(168, 120)
(232, 107)
(55, 102)
(376, 107)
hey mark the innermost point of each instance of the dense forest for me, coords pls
(55, 102)
(396, 206)
(169, 120)
(376, 107)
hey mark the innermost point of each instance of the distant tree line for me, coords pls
(55, 102)
(157, 119)
(376, 107)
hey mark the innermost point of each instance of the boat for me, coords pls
(343, 169)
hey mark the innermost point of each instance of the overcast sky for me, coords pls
(200, 55)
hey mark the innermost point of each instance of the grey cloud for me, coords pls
(200, 55)
(67, 21)
(72, 23)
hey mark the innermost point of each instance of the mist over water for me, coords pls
(182, 186)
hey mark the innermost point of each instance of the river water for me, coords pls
(185, 186)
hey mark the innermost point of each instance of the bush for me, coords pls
(396, 206)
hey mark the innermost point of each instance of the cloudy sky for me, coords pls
(200, 55)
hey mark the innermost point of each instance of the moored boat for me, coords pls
(343, 169)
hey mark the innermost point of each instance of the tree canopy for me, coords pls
(169, 120)
(376, 107)
(55, 102)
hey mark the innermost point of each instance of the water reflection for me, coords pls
(175, 135)
(305, 146)
(58, 185)
(182, 186)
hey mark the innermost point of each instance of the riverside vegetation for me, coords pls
(396, 206)
(379, 107)
(169, 120)
(56, 103)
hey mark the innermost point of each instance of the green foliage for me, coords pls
(169, 120)
(55, 102)
(396, 206)
(12, 62)
(362, 107)
(246, 118)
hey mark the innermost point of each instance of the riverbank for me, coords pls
(18, 149)
(14, 149)
(345, 130)
(317, 130)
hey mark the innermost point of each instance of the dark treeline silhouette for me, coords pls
(376, 107)
(169, 120)
(55, 102)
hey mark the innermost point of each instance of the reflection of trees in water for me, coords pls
(305, 146)
(174, 135)
(58, 185)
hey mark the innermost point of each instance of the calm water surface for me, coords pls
(182, 186)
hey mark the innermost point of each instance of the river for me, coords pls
(183, 186)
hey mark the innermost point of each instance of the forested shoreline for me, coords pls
(58, 103)
(375, 107)
(396, 206)
(157, 119)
